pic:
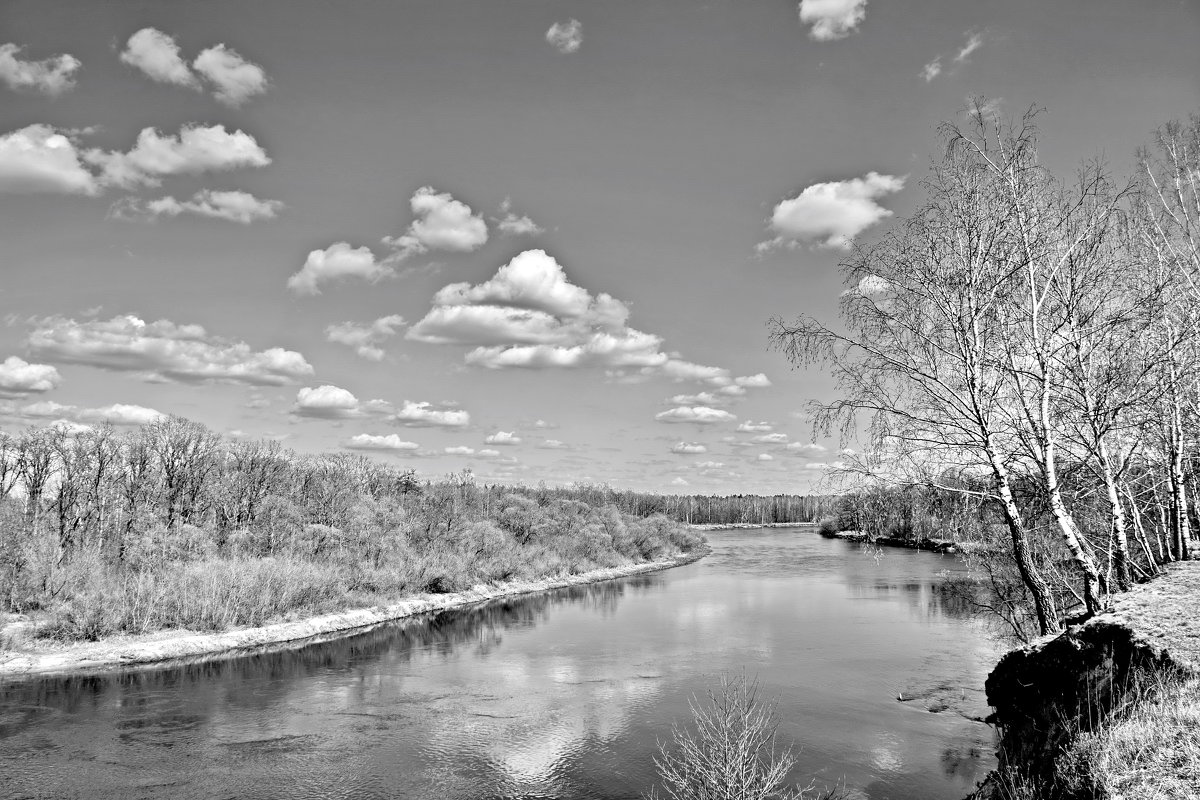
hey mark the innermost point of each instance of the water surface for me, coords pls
(560, 695)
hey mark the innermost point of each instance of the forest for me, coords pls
(174, 526)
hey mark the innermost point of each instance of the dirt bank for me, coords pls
(42, 657)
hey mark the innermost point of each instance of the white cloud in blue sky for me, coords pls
(832, 19)
(565, 37)
(831, 214)
(51, 76)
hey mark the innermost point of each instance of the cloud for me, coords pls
(757, 381)
(512, 225)
(806, 449)
(337, 262)
(689, 449)
(234, 206)
(832, 19)
(426, 415)
(163, 351)
(506, 438)
(750, 426)
(442, 223)
(18, 377)
(831, 214)
(326, 402)
(51, 76)
(973, 43)
(702, 415)
(365, 441)
(470, 451)
(565, 37)
(698, 399)
(765, 457)
(39, 158)
(932, 69)
(530, 315)
(365, 339)
(115, 414)
(677, 481)
(771, 438)
(986, 107)
(196, 149)
(552, 444)
(236, 79)
(157, 55)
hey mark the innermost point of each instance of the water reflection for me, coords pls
(560, 695)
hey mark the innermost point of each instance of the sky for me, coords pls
(539, 239)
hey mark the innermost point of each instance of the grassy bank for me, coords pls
(173, 527)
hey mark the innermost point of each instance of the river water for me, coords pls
(560, 695)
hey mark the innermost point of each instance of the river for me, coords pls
(559, 695)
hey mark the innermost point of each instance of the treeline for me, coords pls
(1021, 353)
(172, 525)
(698, 509)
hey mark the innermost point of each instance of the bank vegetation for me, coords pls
(173, 526)
(1016, 365)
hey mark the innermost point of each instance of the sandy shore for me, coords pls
(165, 646)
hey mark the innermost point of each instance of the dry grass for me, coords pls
(1152, 752)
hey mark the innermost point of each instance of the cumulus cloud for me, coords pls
(157, 56)
(337, 262)
(163, 351)
(366, 441)
(702, 415)
(40, 158)
(425, 414)
(234, 206)
(236, 79)
(831, 214)
(51, 76)
(195, 149)
(365, 339)
(334, 402)
(832, 19)
(698, 399)
(326, 402)
(765, 457)
(689, 449)
(678, 481)
(512, 225)
(758, 381)
(18, 377)
(115, 414)
(932, 69)
(442, 223)
(505, 438)
(771, 438)
(749, 426)
(529, 315)
(565, 37)
(552, 444)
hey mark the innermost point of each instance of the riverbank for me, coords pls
(739, 526)
(1107, 708)
(929, 545)
(36, 657)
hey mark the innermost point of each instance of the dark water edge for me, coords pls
(562, 694)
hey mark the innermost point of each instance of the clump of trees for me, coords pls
(171, 525)
(1029, 344)
(699, 509)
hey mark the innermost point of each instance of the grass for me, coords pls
(1151, 752)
